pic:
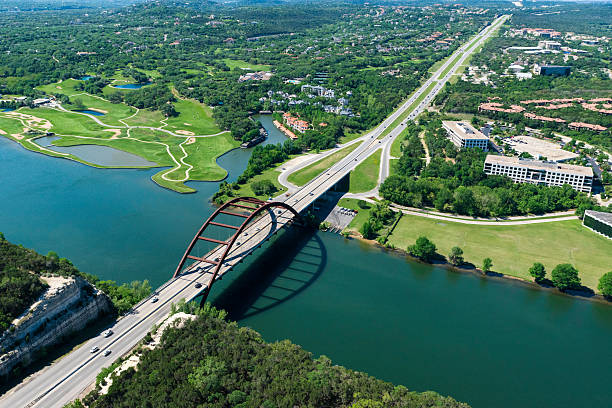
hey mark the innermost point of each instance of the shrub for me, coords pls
(605, 284)
(487, 264)
(423, 249)
(456, 256)
(565, 276)
(538, 272)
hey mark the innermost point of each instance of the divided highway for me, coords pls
(65, 379)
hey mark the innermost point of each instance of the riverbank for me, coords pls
(186, 146)
(440, 261)
(283, 129)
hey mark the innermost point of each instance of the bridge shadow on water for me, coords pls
(286, 267)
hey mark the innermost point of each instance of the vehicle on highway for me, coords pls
(94, 349)
(155, 299)
(107, 352)
(107, 333)
(198, 285)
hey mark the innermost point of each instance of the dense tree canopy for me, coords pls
(213, 363)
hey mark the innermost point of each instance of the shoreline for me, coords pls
(499, 276)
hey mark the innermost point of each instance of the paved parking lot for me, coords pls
(539, 148)
(340, 218)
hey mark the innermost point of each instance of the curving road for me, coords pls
(65, 379)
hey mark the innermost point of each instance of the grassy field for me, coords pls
(365, 176)
(66, 123)
(203, 156)
(239, 64)
(515, 248)
(149, 151)
(112, 112)
(10, 126)
(193, 117)
(269, 174)
(146, 117)
(303, 176)
(396, 146)
(67, 87)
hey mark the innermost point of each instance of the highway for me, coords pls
(65, 379)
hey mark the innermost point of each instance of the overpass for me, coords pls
(232, 233)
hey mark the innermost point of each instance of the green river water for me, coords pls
(486, 342)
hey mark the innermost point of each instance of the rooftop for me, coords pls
(604, 217)
(464, 130)
(539, 165)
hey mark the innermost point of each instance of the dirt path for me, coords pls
(427, 156)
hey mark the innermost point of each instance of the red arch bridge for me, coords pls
(230, 234)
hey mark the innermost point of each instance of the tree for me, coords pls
(565, 276)
(169, 111)
(538, 272)
(605, 284)
(115, 97)
(263, 187)
(487, 264)
(423, 249)
(78, 104)
(456, 256)
(367, 230)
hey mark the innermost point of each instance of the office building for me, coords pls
(539, 172)
(600, 222)
(463, 135)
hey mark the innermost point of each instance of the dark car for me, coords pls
(198, 285)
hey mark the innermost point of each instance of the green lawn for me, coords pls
(365, 176)
(66, 87)
(203, 156)
(396, 146)
(112, 112)
(193, 117)
(146, 117)
(239, 64)
(303, 176)
(515, 248)
(177, 186)
(150, 151)
(9, 125)
(269, 174)
(67, 123)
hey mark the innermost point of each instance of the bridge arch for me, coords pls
(253, 207)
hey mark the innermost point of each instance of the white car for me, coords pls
(94, 349)
(155, 299)
(108, 333)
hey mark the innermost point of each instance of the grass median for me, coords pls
(303, 176)
(407, 112)
(365, 176)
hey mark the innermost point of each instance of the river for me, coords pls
(486, 342)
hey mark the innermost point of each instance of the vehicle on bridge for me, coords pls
(246, 209)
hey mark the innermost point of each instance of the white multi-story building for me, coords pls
(520, 170)
(464, 135)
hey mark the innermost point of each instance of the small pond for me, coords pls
(89, 112)
(86, 78)
(100, 155)
(131, 86)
